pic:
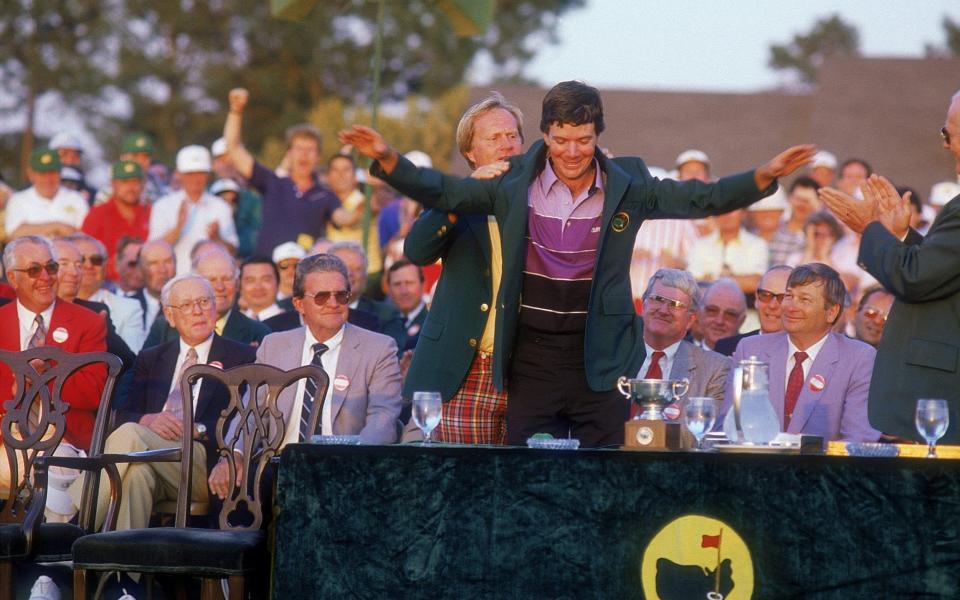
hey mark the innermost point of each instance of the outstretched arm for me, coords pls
(242, 160)
(371, 144)
(783, 164)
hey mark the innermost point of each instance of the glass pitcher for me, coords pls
(751, 419)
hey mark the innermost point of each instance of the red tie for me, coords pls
(794, 385)
(653, 372)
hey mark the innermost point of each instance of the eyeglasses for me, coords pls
(321, 298)
(33, 271)
(94, 259)
(766, 295)
(187, 307)
(729, 314)
(872, 312)
(945, 135)
(656, 300)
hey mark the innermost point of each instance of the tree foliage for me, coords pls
(807, 51)
(951, 45)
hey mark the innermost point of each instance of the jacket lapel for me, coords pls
(347, 365)
(206, 390)
(477, 224)
(824, 366)
(682, 366)
(615, 187)
(776, 356)
(62, 321)
(166, 363)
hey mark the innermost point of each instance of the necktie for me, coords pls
(653, 372)
(794, 385)
(39, 337)
(174, 403)
(309, 391)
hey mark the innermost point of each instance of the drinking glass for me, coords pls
(699, 415)
(932, 419)
(427, 409)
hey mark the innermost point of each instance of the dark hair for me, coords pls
(856, 161)
(915, 198)
(260, 260)
(318, 263)
(346, 157)
(125, 241)
(834, 292)
(573, 103)
(825, 218)
(870, 291)
(804, 182)
(403, 262)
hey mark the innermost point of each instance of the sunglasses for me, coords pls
(94, 259)
(766, 295)
(321, 298)
(656, 300)
(872, 312)
(34, 270)
(945, 135)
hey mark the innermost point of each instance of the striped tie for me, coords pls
(39, 337)
(309, 390)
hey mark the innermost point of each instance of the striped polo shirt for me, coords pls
(563, 234)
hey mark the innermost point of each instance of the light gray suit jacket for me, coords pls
(707, 370)
(369, 405)
(833, 401)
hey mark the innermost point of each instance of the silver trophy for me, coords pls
(652, 394)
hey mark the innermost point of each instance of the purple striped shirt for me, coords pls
(563, 234)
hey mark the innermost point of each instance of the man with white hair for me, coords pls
(191, 214)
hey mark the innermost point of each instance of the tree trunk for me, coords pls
(26, 141)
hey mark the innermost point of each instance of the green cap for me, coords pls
(137, 142)
(126, 169)
(44, 160)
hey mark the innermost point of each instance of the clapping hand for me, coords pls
(857, 214)
(893, 210)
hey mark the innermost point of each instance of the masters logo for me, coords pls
(696, 557)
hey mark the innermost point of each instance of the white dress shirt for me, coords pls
(812, 352)
(207, 210)
(666, 363)
(27, 325)
(203, 353)
(329, 361)
(29, 207)
(127, 317)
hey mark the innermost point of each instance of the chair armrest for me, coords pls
(145, 456)
(42, 463)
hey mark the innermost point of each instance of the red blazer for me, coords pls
(86, 331)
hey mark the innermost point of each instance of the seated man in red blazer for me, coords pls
(37, 318)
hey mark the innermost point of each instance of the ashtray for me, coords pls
(872, 449)
(336, 440)
(553, 443)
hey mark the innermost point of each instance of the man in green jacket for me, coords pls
(568, 217)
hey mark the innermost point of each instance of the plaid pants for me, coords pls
(477, 413)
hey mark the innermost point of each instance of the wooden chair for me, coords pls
(33, 425)
(238, 549)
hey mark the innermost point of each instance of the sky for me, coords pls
(704, 45)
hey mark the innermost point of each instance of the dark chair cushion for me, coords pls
(202, 552)
(53, 543)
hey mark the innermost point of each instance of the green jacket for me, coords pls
(614, 333)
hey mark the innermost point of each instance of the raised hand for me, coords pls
(783, 164)
(857, 214)
(237, 99)
(491, 170)
(893, 211)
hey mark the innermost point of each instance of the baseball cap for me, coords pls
(419, 158)
(44, 160)
(943, 192)
(193, 159)
(224, 185)
(824, 159)
(219, 147)
(137, 142)
(70, 174)
(288, 250)
(65, 140)
(126, 169)
(692, 156)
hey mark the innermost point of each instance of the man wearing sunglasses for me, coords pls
(872, 314)
(363, 397)
(769, 299)
(37, 318)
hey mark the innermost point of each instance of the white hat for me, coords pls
(193, 159)
(775, 201)
(288, 250)
(70, 174)
(692, 156)
(219, 147)
(224, 185)
(65, 140)
(420, 159)
(824, 159)
(658, 172)
(943, 192)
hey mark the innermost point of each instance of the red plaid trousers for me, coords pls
(477, 414)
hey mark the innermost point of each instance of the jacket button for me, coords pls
(473, 342)
(443, 229)
(484, 307)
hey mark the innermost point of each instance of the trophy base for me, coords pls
(643, 434)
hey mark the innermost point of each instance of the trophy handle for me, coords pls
(683, 385)
(737, 395)
(623, 385)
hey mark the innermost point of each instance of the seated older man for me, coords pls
(670, 305)
(152, 417)
(364, 393)
(769, 296)
(723, 311)
(819, 380)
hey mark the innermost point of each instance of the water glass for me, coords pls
(427, 409)
(932, 420)
(699, 415)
